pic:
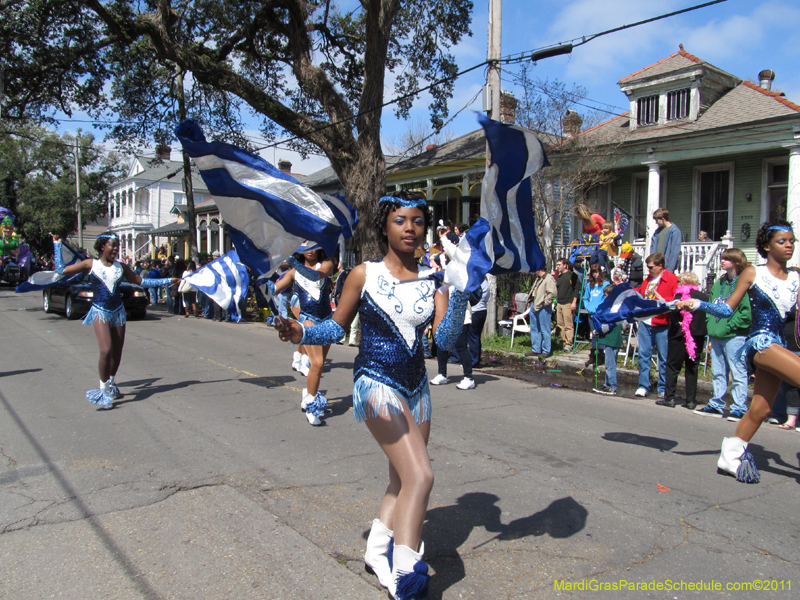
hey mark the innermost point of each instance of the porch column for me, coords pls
(793, 191)
(208, 238)
(221, 237)
(653, 199)
(197, 231)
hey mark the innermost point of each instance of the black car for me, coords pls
(75, 300)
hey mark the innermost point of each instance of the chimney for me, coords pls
(163, 151)
(508, 108)
(285, 166)
(430, 147)
(765, 79)
(571, 122)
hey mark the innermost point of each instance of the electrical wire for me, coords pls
(545, 52)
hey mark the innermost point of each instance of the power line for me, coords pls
(538, 54)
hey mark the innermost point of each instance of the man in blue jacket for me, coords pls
(666, 240)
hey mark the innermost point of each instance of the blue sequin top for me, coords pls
(393, 318)
(771, 299)
(105, 282)
(314, 296)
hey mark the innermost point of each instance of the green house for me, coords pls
(720, 153)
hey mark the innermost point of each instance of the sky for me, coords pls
(741, 37)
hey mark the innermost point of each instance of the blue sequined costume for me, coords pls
(771, 299)
(314, 297)
(391, 364)
(107, 304)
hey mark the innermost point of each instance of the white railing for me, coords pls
(700, 257)
(137, 219)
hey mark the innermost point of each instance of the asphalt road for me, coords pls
(206, 480)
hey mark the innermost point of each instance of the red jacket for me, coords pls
(666, 288)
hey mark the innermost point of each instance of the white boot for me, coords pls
(305, 364)
(315, 408)
(737, 461)
(296, 360)
(305, 399)
(376, 558)
(410, 573)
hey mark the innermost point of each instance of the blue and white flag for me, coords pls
(224, 280)
(47, 279)
(268, 213)
(623, 303)
(504, 239)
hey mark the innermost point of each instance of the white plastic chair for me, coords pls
(520, 325)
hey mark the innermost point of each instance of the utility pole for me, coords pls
(187, 175)
(78, 190)
(493, 81)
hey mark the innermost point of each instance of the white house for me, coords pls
(145, 198)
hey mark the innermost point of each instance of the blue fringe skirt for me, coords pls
(372, 398)
(114, 318)
(756, 342)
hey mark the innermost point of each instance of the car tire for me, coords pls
(69, 308)
(46, 306)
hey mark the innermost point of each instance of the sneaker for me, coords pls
(735, 415)
(466, 384)
(661, 395)
(313, 419)
(641, 392)
(668, 403)
(605, 390)
(709, 411)
(439, 380)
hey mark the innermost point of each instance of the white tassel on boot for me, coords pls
(305, 399)
(377, 559)
(296, 357)
(410, 573)
(735, 460)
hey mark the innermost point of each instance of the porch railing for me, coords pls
(700, 257)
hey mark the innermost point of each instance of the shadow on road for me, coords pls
(148, 389)
(19, 372)
(270, 382)
(447, 528)
(625, 437)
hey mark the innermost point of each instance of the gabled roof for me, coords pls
(745, 104)
(469, 146)
(149, 168)
(674, 62)
(327, 176)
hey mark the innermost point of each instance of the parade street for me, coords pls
(207, 481)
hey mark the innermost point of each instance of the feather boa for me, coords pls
(686, 323)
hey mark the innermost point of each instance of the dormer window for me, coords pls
(678, 104)
(647, 110)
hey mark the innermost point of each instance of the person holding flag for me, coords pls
(773, 293)
(107, 315)
(311, 277)
(391, 392)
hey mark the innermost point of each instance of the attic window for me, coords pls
(647, 110)
(678, 104)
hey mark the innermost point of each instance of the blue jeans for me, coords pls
(652, 337)
(611, 366)
(167, 297)
(541, 324)
(726, 358)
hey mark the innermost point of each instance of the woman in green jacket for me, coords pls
(727, 339)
